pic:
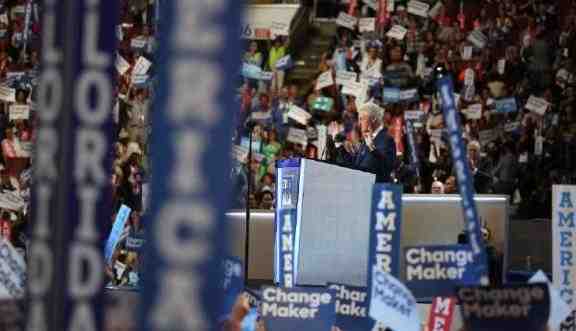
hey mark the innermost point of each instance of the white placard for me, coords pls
(487, 136)
(474, 112)
(19, 112)
(11, 201)
(467, 53)
(297, 136)
(563, 236)
(121, 64)
(367, 24)
(347, 21)
(477, 38)
(324, 80)
(139, 42)
(142, 66)
(501, 66)
(4, 19)
(413, 114)
(260, 115)
(239, 153)
(13, 269)
(397, 32)
(537, 105)
(418, 8)
(279, 29)
(469, 77)
(299, 115)
(436, 9)
(7, 94)
(343, 77)
(352, 88)
(408, 94)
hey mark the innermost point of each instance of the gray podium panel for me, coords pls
(426, 219)
(333, 224)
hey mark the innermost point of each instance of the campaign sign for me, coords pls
(463, 175)
(506, 105)
(434, 271)
(352, 308)
(559, 309)
(186, 226)
(505, 308)
(288, 174)
(414, 159)
(232, 283)
(12, 272)
(563, 232)
(289, 309)
(392, 304)
(441, 314)
(391, 94)
(386, 218)
(71, 194)
(116, 232)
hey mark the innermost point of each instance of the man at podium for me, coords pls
(377, 150)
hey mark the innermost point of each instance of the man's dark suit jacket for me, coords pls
(380, 161)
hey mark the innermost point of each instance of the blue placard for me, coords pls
(352, 307)
(385, 226)
(232, 283)
(71, 202)
(391, 94)
(464, 178)
(289, 309)
(415, 161)
(287, 194)
(507, 105)
(116, 233)
(197, 69)
(509, 307)
(435, 271)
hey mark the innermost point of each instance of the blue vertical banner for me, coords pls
(385, 230)
(472, 224)
(72, 167)
(415, 161)
(198, 56)
(286, 219)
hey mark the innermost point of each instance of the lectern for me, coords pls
(322, 223)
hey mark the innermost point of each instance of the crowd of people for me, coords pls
(131, 166)
(513, 71)
(19, 62)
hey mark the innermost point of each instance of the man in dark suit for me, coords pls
(377, 152)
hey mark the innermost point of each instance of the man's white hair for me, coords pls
(375, 112)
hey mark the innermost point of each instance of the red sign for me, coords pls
(441, 313)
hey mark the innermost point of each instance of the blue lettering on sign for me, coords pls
(565, 200)
(384, 245)
(184, 240)
(464, 179)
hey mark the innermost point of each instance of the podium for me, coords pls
(322, 222)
